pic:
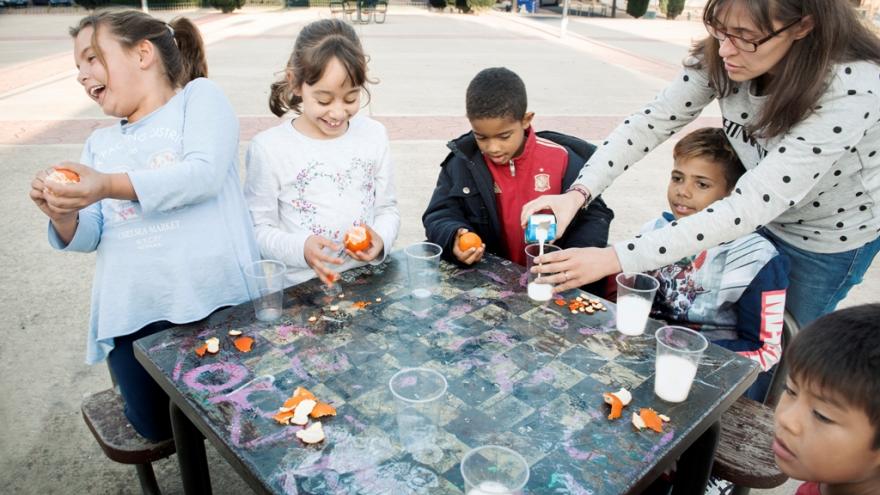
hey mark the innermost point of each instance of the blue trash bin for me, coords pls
(530, 6)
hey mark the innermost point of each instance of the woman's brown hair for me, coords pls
(317, 44)
(178, 42)
(804, 73)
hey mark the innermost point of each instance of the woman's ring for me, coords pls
(565, 273)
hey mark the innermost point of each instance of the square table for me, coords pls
(522, 374)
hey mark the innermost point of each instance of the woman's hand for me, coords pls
(574, 267)
(372, 252)
(93, 186)
(470, 256)
(564, 206)
(318, 252)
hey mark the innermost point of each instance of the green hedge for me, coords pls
(637, 8)
(674, 8)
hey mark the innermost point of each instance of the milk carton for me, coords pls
(541, 228)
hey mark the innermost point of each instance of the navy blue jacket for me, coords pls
(464, 198)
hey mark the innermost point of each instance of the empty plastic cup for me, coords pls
(494, 470)
(265, 281)
(418, 394)
(423, 266)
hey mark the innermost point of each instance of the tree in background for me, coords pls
(637, 8)
(674, 8)
(662, 5)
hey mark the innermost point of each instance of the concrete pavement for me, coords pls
(583, 84)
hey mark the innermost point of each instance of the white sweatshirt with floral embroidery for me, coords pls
(816, 186)
(298, 186)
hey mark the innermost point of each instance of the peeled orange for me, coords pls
(357, 238)
(469, 240)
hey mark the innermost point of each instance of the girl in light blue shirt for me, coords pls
(158, 195)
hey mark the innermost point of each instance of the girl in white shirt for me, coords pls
(317, 175)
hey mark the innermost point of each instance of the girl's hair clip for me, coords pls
(170, 29)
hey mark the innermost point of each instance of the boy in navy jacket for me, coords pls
(499, 166)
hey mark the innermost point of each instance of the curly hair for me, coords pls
(496, 92)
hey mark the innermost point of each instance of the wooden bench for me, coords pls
(744, 456)
(104, 414)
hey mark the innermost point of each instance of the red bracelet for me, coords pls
(581, 189)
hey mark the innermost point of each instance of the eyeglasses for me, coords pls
(742, 43)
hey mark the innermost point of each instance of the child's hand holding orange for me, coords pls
(320, 258)
(363, 243)
(468, 247)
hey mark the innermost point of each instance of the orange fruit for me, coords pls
(357, 238)
(63, 176)
(469, 240)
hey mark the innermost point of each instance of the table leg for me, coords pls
(695, 465)
(191, 457)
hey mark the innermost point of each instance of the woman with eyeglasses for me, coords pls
(798, 84)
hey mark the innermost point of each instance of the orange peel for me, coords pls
(616, 405)
(301, 413)
(63, 176)
(322, 409)
(649, 419)
(357, 238)
(312, 434)
(244, 344)
(201, 350)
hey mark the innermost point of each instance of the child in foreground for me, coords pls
(733, 293)
(827, 423)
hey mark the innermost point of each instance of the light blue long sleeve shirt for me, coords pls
(177, 253)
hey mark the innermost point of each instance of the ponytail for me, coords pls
(193, 62)
(282, 99)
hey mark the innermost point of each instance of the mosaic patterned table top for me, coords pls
(525, 375)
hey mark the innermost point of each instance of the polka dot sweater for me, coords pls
(816, 187)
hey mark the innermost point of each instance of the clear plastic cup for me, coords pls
(418, 395)
(635, 295)
(494, 470)
(679, 351)
(265, 280)
(538, 289)
(423, 266)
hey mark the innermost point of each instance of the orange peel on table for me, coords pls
(299, 395)
(283, 417)
(302, 411)
(244, 344)
(322, 409)
(648, 418)
(617, 400)
(312, 434)
(201, 350)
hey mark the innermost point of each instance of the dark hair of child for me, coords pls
(496, 92)
(316, 45)
(711, 144)
(840, 353)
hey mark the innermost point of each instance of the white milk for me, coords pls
(632, 314)
(490, 488)
(673, 377)
(540, 292)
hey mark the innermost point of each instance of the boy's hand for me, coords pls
(38, 196)
(470, 256)
(377, 245)
(319, 252)
(564, 206)
(93, 186)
